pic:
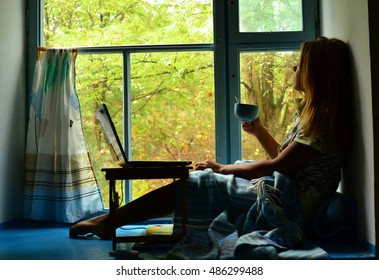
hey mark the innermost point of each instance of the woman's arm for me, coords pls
(269, 144)
(290, 160)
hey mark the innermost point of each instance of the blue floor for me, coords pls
(43, 241)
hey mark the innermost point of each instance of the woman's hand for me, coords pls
(216, 167)
(252, 127)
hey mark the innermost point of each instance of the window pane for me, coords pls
(270, 15)
(127, 22)
(99, 80)
(267, 80)
(172, 104)
(172, 110)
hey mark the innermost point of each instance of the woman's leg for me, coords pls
(154, 204)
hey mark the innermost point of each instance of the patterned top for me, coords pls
(321, 177)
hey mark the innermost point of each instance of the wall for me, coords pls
(12, 108)
(348, 20)
(373, 10)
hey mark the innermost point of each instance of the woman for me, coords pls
(311, 154)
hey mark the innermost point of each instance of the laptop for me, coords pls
(104, 119)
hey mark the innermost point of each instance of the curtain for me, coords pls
(60, 184)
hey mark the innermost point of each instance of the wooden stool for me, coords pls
(136, 173)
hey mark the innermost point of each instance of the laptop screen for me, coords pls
(109, 130)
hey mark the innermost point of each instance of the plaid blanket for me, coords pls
(234, 218)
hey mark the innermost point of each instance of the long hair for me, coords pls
(325, 77)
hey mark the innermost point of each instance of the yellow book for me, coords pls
(159, 230)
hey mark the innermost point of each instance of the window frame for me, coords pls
(310, 27)
(258, 41)
(227, 46)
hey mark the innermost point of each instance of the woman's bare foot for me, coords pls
(100, 225)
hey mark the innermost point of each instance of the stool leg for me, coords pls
(112, 210)
(184, 206)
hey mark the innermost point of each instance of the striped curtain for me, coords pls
(60, 184)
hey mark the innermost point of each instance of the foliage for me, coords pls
(126, 22)
(266, 80)
(172, 93)
(270, 15)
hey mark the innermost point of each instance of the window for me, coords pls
(270, 16)
(170, 71)
(127, 22)
(266, 79)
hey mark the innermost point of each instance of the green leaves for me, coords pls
(127, 22)
(266, 81)
(270, 15)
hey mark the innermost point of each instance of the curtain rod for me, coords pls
(40, 50)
